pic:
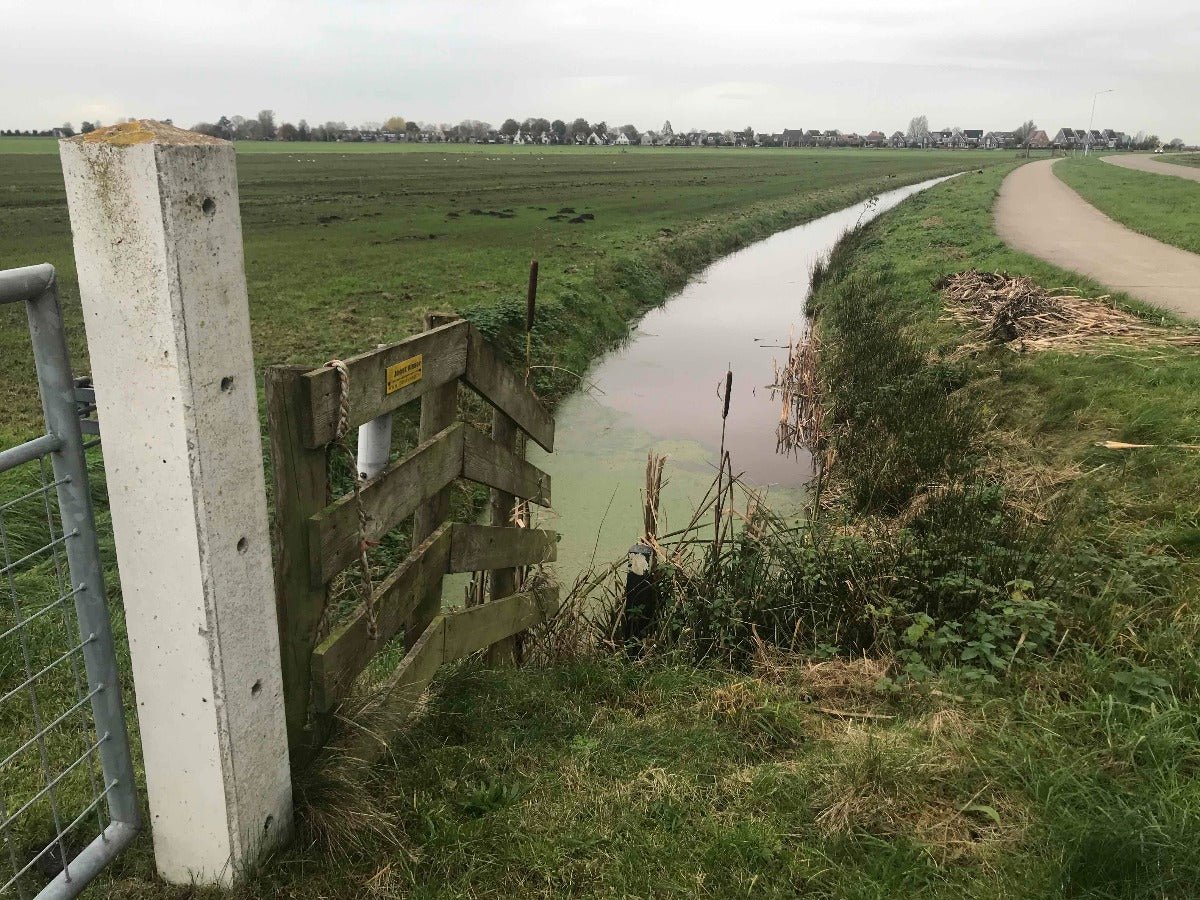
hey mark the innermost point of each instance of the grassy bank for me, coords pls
(1164, 208)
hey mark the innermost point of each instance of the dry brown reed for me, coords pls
(1013, 310)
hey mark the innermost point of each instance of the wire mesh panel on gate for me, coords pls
(53, 789)
(68, 804)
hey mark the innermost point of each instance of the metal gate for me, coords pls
(68, 799)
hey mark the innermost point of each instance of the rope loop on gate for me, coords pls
(364, 543)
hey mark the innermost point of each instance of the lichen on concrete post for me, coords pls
(158, 246)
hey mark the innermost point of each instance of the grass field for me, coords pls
(1167, 209)
(1182, 159)
(348, 248)
(1072, 776)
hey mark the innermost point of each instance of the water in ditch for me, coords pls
(659, 392)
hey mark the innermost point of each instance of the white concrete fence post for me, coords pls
(158, 245)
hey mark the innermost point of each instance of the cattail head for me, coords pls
(728, 391)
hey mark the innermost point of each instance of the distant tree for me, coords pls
(601, 128)
(412, 129)
(67, 129)
(303, 132)
(1022, 133)
(918, 130)
(287, 132)
(632, 133)
(225, 128)
(510, 128)
(88, 127)
(748, 134)
(667, 131)
(396, 124)
(1152, 143)
(1174, 144)
(578, 129)
(266, 125)
(559, 129)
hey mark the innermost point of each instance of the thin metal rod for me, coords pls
(50, 727)
(48, 790)
(41, 612)
(61, 539)
(53, 363)
(38, 490)
(32, 678)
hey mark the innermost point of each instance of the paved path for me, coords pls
(1155, 165)
(1040, 215)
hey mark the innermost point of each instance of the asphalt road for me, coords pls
(1038, 214)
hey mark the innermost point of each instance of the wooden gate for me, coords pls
(318, 536)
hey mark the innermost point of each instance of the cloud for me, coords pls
(854, 64)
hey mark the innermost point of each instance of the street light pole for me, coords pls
(1092, 121)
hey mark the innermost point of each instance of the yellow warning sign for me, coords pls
(402, 374)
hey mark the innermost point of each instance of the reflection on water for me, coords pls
(659, 392)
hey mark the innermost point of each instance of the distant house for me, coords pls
(622, 139)
(792, 137)
(898, 140)
(972, 137)
(594, 140)
(875, 139)
(998, 140)
(1072, 138)
(944, 138)
(1038, 140)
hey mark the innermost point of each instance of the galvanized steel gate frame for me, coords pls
(108, 811)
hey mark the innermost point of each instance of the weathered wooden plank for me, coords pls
(442, 353)
(502, 581)
(300, 491)
(403, 688)
(477, 627)
(478, 548)
(387, 499)
(500, 386)
(439, 409)
(342, 656)
(489, 463)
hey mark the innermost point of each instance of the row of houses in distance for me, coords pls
(946, 139)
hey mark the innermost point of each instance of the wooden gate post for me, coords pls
(301, 490)
(158, 247)
(439, 409)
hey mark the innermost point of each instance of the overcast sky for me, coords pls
(849, 64)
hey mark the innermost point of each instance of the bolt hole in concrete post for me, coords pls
(256, 689)
(209, 206)
(242, 545)
(227, 383)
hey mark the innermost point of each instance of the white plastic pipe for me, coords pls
(374, 446)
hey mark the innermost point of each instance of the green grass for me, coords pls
(1167, 209)
(345, 250)
(1075, 777)
(1182, 159)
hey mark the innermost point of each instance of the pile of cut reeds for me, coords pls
(1015, 311)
